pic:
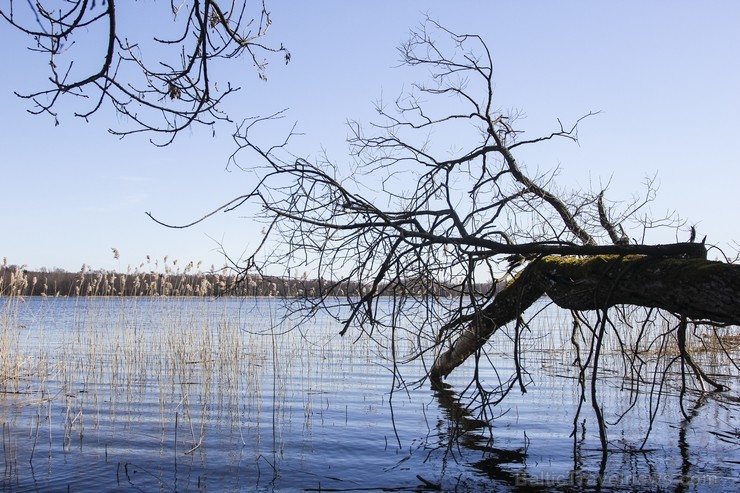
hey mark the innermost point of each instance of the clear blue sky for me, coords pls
(665, 75)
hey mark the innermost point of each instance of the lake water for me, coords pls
(124, 394)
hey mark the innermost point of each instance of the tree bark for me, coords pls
(695, 288)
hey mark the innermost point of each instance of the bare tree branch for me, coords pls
(164, 96)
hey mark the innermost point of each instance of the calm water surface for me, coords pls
(120, 394)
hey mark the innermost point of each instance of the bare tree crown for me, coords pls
(434, 232)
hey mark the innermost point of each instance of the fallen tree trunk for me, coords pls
(691, 287)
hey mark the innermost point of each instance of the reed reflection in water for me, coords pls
(147, 394)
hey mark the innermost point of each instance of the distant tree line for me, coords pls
(18, 281)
